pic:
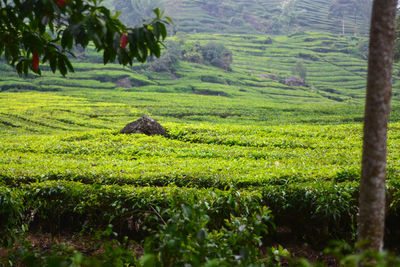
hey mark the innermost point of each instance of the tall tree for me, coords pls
(356, 8)
(134, 12)
(361, 9)
(338, 9)
(371, 219)
(35, 31)
(289, 15)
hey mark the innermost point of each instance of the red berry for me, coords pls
(123, 40)
(61, 3)
(35, 61)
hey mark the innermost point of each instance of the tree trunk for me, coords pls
(371, 219)
(355, 23)
(343, 25)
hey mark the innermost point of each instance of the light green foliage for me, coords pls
(203, 155)
(297, 170)
(254, 89)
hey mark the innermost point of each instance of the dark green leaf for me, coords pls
(67, 39)
(53, 63)
(61, 65)
(68, 64)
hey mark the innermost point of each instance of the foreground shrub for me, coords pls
(186, 236)
(11, 215)
(189, 239)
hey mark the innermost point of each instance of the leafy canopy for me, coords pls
(34, 31)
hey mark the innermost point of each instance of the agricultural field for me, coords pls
(235, 140)
(250, 16)
(85, 175)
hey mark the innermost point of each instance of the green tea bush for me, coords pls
(114, 254)
(20, 85)
(322, 210)
(185, 234)
(212, 79)
(12, 214)
(188, 239)
(74, 206)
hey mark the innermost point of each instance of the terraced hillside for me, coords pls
(253, 92)
(258, 16)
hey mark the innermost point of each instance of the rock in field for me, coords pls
(295, 81)
(144, 125)
(124, 83)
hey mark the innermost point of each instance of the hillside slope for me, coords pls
(254, 92)
(249, 16)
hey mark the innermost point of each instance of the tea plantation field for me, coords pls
(307, 174)
(255, 16)
(65, 167)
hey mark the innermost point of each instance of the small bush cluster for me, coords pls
(300, 70)
(215, 54)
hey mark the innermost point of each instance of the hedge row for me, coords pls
(56, 206)
(318, 210)
(321, 210)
